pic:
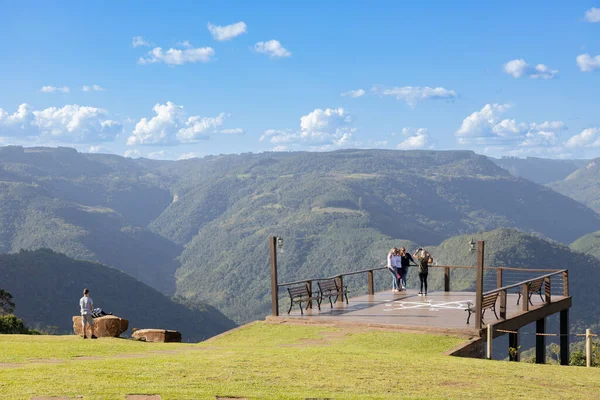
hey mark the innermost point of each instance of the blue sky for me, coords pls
(501, 78)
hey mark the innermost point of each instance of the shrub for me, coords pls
(13, 325)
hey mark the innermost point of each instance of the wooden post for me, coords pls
(525, 291)
(540, 341)
(588, 348)
(340, 282)
(446, 279)
(371, 284)
(499, 278)
(479, 283)
(513, 342)
(309, 288)
(564, 337)
(489, 341)
(565, 275)
(503, 304)
(274, 288)
(547, 291)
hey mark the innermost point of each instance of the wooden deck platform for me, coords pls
(439, 312)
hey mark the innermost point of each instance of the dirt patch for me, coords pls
(456, 384)
(46, 361)
(10, 365)
(87, 358)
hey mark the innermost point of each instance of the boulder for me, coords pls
(107, 326)
(157, 335)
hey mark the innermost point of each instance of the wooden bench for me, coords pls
(534, 287)
(299, 294)
(489, 302)
(329, 288)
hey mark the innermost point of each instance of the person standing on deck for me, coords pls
(393, 262)
(423, 261)
(405, 259)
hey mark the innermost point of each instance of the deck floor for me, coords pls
(438, 311)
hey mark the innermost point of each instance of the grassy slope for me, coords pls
(582, 185)
(277, 361)
(589, 243)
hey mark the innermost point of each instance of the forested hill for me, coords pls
(199, 227)
(46, 287)
(539, 170)
(582, 185)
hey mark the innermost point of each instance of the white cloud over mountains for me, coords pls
(587, 63)
(227, 32)
(519, 68)
(171, 125)
(587, 138)
(320, 129)
(178, 56)
(415, 139)
(272, 48)
(412, 95)
(69, 124)
(53, 89)
(592, 15)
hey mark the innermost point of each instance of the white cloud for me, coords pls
(138, 41)
(272, 48)
(227, 32)
(592, 15)
(157, 155)
(355, 93)
(280, 148)
(172, 125)
(98, 149)
(92, 88)
(414, 94)
(519, 68)
(587, 138)
(69, 124)
(326, 129)
(415, 139)
(588, 63)
(53, 89)
(234, 131)
(178, 56)
(485, 127)
(132, 153)
(187, 156)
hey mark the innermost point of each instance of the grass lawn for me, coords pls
(277, 361)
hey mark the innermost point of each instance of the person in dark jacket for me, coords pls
(405, 259)
(423, 261)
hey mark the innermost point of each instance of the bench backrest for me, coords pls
(298, 291)
(489, 300)
(329, 285)
(535, 286)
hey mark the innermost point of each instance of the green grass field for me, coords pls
(264, 361)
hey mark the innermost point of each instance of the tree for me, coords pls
(6, 304)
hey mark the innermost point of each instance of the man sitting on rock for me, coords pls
(86, 304)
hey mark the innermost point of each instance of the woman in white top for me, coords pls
(393, 262)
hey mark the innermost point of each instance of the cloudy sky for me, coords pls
(195, 78)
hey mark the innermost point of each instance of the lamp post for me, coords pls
(275, 243)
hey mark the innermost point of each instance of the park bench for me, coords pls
(329, 288)
(534, 287)
(489, 302)
(299, 294)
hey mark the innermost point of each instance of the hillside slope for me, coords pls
(46, 287)
(539, 170)
(582, 185)
(589, 244)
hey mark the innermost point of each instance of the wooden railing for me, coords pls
(499, 282)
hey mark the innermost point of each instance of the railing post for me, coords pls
(479, 284)
(503, 304)
(565, 275)
(371, 284)
(490, 338)
(588, 348)
(525, 291)
(309, 288)
(547, 291)
(499, 277)
(446, 279)
(274, 287)
(340, 282)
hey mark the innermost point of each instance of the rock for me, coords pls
(107, 326)
(157, 335)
